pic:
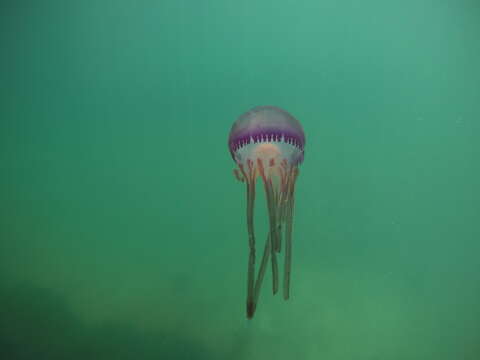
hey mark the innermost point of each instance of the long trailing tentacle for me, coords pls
(273, 235)
(280, 202)
(250, 181)
(263, 268)
(267, 181)
(251, 244)
(288, 233)
(277, 198)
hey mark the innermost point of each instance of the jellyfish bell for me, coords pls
(268, 142)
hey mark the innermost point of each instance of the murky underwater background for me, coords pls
(122, 228)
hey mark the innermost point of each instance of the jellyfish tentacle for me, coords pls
(251, 244)
(273, 237)
(279, 199)
(267, 182)
(274, 267)
(250, 180)
(281, 202)
(274, 184)
(238, 175)
(288, 233)
(263, 268)
(288, 251)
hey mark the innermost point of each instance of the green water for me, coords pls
(123, 231)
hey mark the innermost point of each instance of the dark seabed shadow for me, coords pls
(37, 323)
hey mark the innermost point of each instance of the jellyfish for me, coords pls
(268, 142)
